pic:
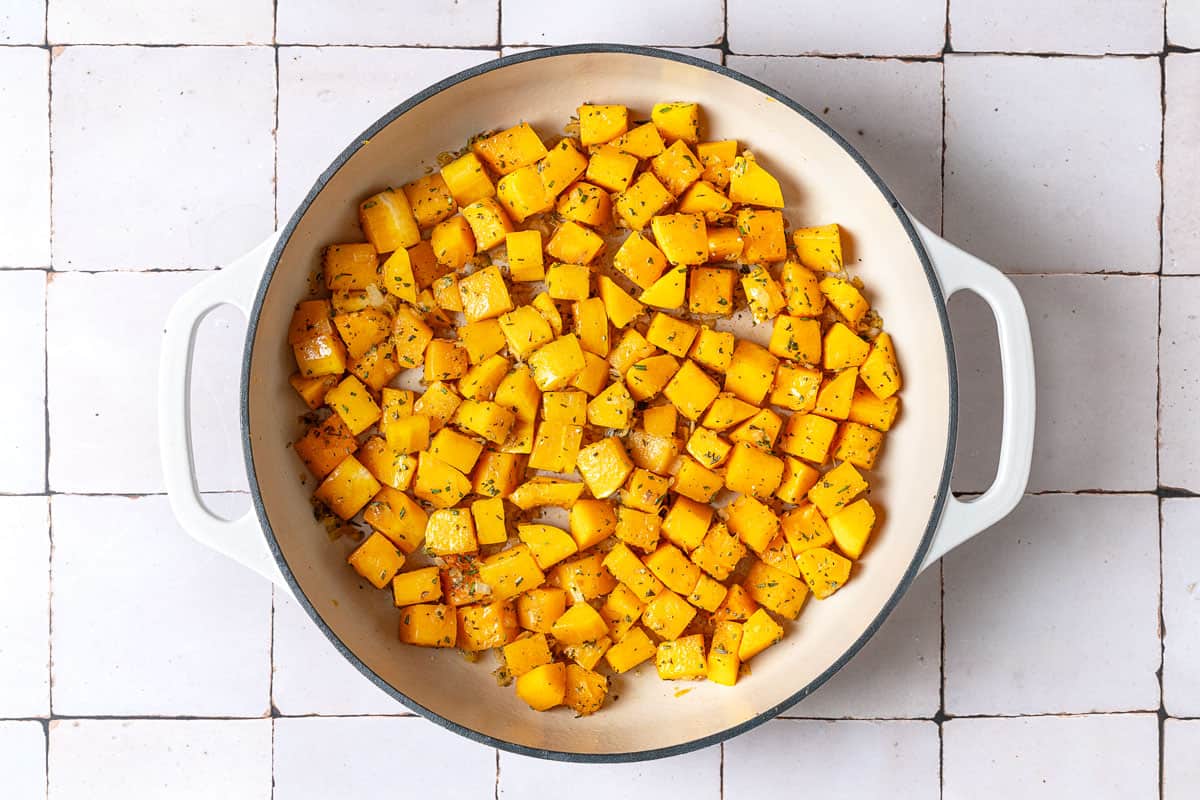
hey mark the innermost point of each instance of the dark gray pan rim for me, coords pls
(694, 744)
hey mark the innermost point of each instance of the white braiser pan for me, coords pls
(909, 273)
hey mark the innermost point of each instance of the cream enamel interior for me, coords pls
(822, 183)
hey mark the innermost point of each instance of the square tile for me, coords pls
(1055, 609)
(1181, 768)
(700, 22)
(1183, 23)
(324, 102)
(1181, 606)
(1179, 385)
(357, 755)
(889, 110)
(448, 23)
(1181, 173)
(148, 622)
(311, 677)
(174, 22)
(1111, 757)
(1096, 421)
(857, 27)
(25, 157)
(712, 54)
(844, 759)
(23, 22)
(25, 607)
(108, 441)
(180, 139)
(692, 775)
(23, 330)
(1033, 26)
(898, 673)
(1023, 138)
(23, 759)
(99, 759)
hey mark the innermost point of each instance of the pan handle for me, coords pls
(959, 271)
(240, 539)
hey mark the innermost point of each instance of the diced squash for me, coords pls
(837, 488)
(612, 408)
(610, 168)
(537, 609)
(587, 654)
(438, 483)
(488, 516)
(775, 589)
(804, 527)
(411, 336)
(312, 390)
(460, 452)
(626, 654)
(751, 184)
(377, 560)
(844, 348)
(566, 406)
(467, 180)
(668, 615)
(398, 278)
(345, 267)
(737, 607)
(574, 244)
(480, 381)
(879, 371)
(585, 203)
(798, 478)
(753, 471)
(808, 436)
(584, 578)
(429, 625)
(485, 626)
(630, 349)
(645, 491)
(556, 446)
(660, 420)
(390, 466)
(867, 408)
(761, 430)
(704, 198)
(585, 690)
(819, 248)
(430, 199)
(824, 571)
(677, 120)
(683, 238)
(717, 159)
(723, 662)
(324, 445)
(497, 474)
(398, 517)
(510, 149)
(672, 567)
(763, 238)
(417, 586)
(453, 243)
(626, 567)
(524, 251)
(450, 531)
(523, 194)
(724, 244)
(677, 167)
(851, 527)
(555, 363)
(803, 290)
(543, 491)
(845, 297)
(484, 295)
(511, 572)
(639, 260)
(591, 379)
(727, 411)
(638, 528)
(485, 418)
(752, 372)
(645, 198)
(682, 659)
(387, 221)
(524, 654)
(668, 291)
(619, 305)
(543, 687)
(445, 293)
(713, 349)
(579, 623)
(671, 334)
(650, 376)
(591, 522)
(763, 294)
(795, 388)
(601, 123)
(644, 141)
(548, 544)
(687, 522)
(621, 610)
(836, 395)
(708, 594)
(561, 166)
(858, 444)
(753, 521)
(758, 633)
(691, 390)
(695, 481)
(438, 403)
(354, 404)
(797, 339)
(445, 360)
(591, 325)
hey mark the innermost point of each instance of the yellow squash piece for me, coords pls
(824, 571)
(752, 185)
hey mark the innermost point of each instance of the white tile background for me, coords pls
(1056, 138)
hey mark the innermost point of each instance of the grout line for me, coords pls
(1162, 649)
(721, 774)
(499, 47)
(496, 791)
(50, 607)
(46, 763)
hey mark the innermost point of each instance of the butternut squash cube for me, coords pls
(480, 381)
(453, 242)
(612, 408)
(450, 531)
(488, 516)
(585, 203)
(610, 168)
(642, 200)
(631, 349)
(520, 438)
(425, 266)
(851, 527)
(604, 466)
(592, 521)
(390, 466)
(668, 615)
(837, 488)
(410, 434)
(438, 483)
(737, 607)
(445, 360)
(467, 181)
(324, 445)
(645, 491)
(497, 474)
(639, 260)
(525, 330)
(704, 198)
(548, 544)
(650, 376)
(346, 267)
(683, 238)
(580, 623)
(644, 141)
(377, 560)
(524, 251)
(844, 348)
(556, 446)
(808, 436)
(565, 406)
(626, 567)
(778, 554)
(677, 121)
(682, 659)
(819, 248)
(804, 527)
(677, 167)
(620, 307)
(485, 418)
(560, 167)
(711, 290)
(719, 552)
(601, 123)
(398, 278)
(621, 610)
(752, 471)
(763, 294)
(671, 566)
(396, 404)
(727, 411)
(353, 403)
(723, 663)
(752, 185)
(845, 297)
(824, 571)
(511, 572)
(575, 244)
(591, 325)
(489, 223)
(585, 690)
(798, 478)
(312, 390)
(377, 366)
(879, 371)
(655, 453)
(626, 654)
(591, 379)
(836, 395)
(417, 586)
(522, 655)
(429, 625)
(348, 488)
(763, 238)
(537, 609)
(867, 408)
(460, 452)
(486, 626)
(484, 295)
(430, 199)
(795, 388)
(411, 336)
(660, 420)
(387, 221)
(686, 522)
(543, 491)
(691, 390)
(445, 293)
(775, 589)
(761, 430)
(724, 244)
(438, 402)
(668, 291)
(554, 364)
(803, 290)
(398, 517)
(752, 372)
(753, 522)
(543, 687)
(758, 633)
(695, 481)
(708, 594)
(584, 579)
(523, 194)
(510, 149)
(671, 334)
(713, 349)
(717, 159)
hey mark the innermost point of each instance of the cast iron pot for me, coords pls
(909, 271)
